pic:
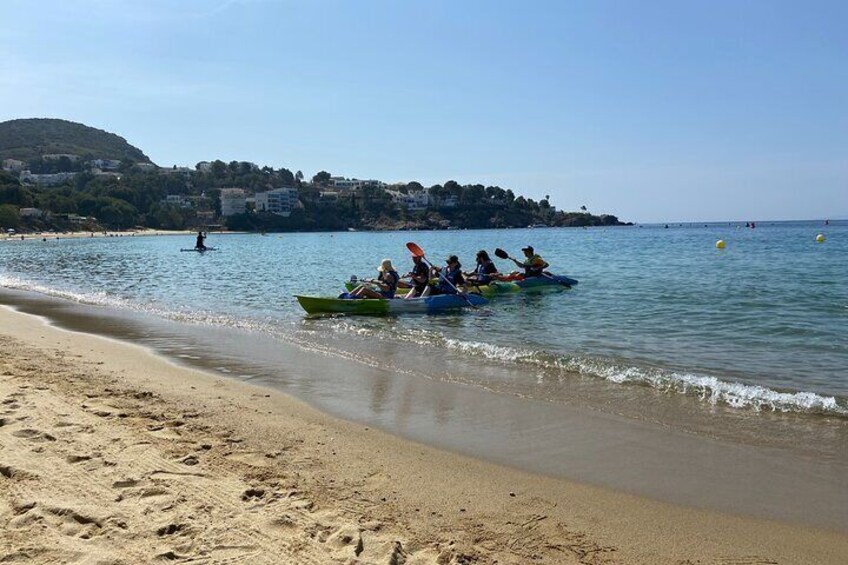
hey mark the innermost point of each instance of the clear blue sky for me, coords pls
(653, 111)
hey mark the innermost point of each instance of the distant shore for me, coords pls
(105, 442)
(90, 234)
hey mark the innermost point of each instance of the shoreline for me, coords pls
(568, 441)
(329, 488)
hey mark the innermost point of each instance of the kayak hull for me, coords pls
(492, 289)
(384, 306)
(541, 282)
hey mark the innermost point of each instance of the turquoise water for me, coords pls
(759, 326)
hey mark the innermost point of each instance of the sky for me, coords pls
(650, 110)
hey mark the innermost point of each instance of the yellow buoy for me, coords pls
(820, 238)
(720, 244)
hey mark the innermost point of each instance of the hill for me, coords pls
(29, 139)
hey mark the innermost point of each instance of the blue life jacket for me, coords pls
(454, 276)
(483, 272)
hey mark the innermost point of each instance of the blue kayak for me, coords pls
(553, 280)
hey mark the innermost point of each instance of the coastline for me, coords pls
(89, 234)
(214, 459)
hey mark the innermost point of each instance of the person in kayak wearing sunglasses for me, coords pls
(386, 283)
(450, 278)
(420, 275)
(533, 264)
(484, 271)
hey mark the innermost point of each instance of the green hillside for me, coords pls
(29, 139)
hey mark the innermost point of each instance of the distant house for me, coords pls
(146, 167)
(329, 195)
(204, 166)
(280, 201)
(54, 179)
(175, 170)
(233, 201)
(178, 200)
(413, 201)
(106, 164)
(13, 165)
(31, 213)
(57, 156)
(449, 201)
(342, 183)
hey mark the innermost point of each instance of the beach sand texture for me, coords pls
(109, 454)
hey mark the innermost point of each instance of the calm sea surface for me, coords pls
(761, 326)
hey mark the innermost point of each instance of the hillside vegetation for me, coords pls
(29, 139)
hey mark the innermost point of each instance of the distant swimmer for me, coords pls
(201, 237)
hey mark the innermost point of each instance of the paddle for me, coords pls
(504, 255)
(418, 252)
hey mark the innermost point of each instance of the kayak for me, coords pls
(491, 289)
(387, 306)
(540, 282)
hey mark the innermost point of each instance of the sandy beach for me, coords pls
(110, 454)
(86, 234)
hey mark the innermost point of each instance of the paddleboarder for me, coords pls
(201, 237)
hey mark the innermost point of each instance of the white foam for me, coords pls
(707, 388)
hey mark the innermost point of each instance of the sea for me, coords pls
(746, 345)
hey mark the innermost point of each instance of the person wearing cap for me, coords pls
(533, 264)
(484, 271)
(386, 283)
(420, 275)
(450, 277)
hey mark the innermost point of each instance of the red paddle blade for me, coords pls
(414, 249)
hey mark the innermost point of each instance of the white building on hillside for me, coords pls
(342, 183)
(54, 179)
(13, 165)
(233, 201)
(413, 201)
(280, 201)
(106, 164)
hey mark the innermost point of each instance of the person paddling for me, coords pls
(201, 237)
(533, 264)
(484, 271)
(387, 283)
(451, 277)
(420, 278)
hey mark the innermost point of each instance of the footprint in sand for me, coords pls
(251, 458)
(33, 435)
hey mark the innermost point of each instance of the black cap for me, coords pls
(528, 248)
(453, 259)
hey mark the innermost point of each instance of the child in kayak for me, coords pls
(387, 283)
(450, 277)
(485, 270)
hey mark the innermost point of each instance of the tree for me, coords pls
(299, 175)
(9, 217)
(321, 178)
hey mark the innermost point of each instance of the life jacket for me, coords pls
(534, 266)
(391, 280)
(484, 270)
(454, 276)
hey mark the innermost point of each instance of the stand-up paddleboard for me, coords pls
(201, 250)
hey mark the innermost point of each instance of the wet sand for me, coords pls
(112, 454)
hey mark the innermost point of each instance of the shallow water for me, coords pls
(759, 326)
(672, 370)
